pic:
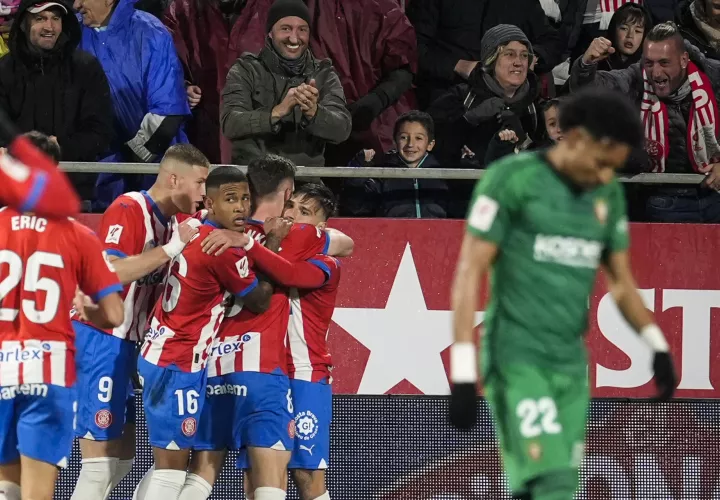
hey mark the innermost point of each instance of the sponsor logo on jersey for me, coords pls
(223, 348)
(571, 252)
(189, 426)
(19, 354)
(38, 390)
(113, 234)
(153, 333)
(231, 389)
(309, 450)
(307, 425)
(103, 419)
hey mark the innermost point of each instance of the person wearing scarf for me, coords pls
(699, 22)
(674, 86)
(283, 100)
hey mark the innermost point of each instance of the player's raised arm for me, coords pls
(341, 245)
(303, 274)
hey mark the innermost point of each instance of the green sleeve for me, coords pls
(618, 237)
(492, 204)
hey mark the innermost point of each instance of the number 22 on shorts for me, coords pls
(538, 417)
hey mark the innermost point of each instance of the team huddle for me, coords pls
(229, 306)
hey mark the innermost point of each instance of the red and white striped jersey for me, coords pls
(41, 263)
(185, 321)
(131, 225)
(310, 314)
(256, 342)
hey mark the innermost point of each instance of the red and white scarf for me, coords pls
(703, 126)
(608, 8)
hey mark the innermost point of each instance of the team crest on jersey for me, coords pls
(113, 234)
(103, 419)
(307, 425)
(535, 450)
(601, 210)
(189, 426)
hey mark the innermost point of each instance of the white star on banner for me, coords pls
(405, 339)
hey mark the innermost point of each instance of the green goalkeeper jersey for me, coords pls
(551, 238)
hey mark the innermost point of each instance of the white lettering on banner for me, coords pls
(222, 389)
(38, 390)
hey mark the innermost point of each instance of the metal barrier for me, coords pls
(375, 172)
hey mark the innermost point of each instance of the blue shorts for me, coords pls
(313, 413)
(37, 421)
(262, 413)
(173, 401)
(104, 366)
(215, 427)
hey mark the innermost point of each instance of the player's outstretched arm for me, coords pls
(621, 285)
(135, 267)
(301, 274)
(341, 245)
(476, 256)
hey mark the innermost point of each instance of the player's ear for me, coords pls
(322, 226)
(209, 205)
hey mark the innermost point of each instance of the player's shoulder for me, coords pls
(514, 169)
(128, 203)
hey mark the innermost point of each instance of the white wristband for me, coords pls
(463, 363)
(249, 244)
(653, 336)
(174, 247)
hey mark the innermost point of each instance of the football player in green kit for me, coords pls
(544, 222)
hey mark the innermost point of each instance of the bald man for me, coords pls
(141, 235)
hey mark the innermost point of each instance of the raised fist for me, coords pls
(599, 49)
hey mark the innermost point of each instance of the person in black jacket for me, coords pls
(449, 34)
(48, 85)
(699, 23)
(627, 30)
(414, 134)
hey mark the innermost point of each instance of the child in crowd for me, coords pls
(552, 122)
(414, 134)
(626, 31)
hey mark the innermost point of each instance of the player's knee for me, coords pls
(122, 469)
(266, 493)
(96, 477)
(195, 488)
(9, 490)
(310, 483)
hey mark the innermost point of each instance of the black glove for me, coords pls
(665, 378)
(463, 406)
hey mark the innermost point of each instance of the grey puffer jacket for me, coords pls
(255, 85)
(630, 82)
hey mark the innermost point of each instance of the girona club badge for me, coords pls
(189, 426)
(103, 419)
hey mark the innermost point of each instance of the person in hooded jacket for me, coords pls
(627, 30)
(49, 85)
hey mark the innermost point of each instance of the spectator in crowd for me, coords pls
(46, 144)
(449, 39)
(553, 132)
(146, 83)
(499, 97)
(283, 100)
(627, 30)
(376, 70)
(675, 88)
(48, 85)
(155, 7)
(209, 36)
(699, 22)
(414, 134)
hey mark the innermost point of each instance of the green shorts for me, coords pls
(540, 416)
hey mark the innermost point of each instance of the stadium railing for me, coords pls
(375, 172)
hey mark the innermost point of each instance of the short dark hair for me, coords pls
(416, 116)
(44, 144)
(666, 31)
(322, 196)
(226, 174)
(551, 103)
(605, 114)
(267, 173)
(187, 154)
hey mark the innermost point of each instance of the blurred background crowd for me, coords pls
(370, 83)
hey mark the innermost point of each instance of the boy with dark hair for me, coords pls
(545, 222)
(45, 144)
(414, 134)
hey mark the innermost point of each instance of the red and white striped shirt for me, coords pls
(253, 342)
(41, 263)
(185, 321)
(131, 225)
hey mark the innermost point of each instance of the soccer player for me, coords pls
(42, 263)
(183, 326)
(136, 230)
(545, 222)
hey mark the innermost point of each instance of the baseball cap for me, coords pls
(39, 7)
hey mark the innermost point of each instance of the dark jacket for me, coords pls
(629, 81)
(615, 60)
(400, 198)
(63, 92)
(692, 33)
(450, 30)
(255, 85)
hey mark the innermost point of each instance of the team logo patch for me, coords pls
(601, 211)
(291, 429)
(307, 425)
(103, 419)
(113, 234)
(189, 426)
(535, 450)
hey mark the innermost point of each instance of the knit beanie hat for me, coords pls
(501, 34)
(286, 8)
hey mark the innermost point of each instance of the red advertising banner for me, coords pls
(391, 328)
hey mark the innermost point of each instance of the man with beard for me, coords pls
(674, 86)
(47, 85)
(283, 100)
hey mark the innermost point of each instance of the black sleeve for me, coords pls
(434, 61)
(154, 137)
(385, 94)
